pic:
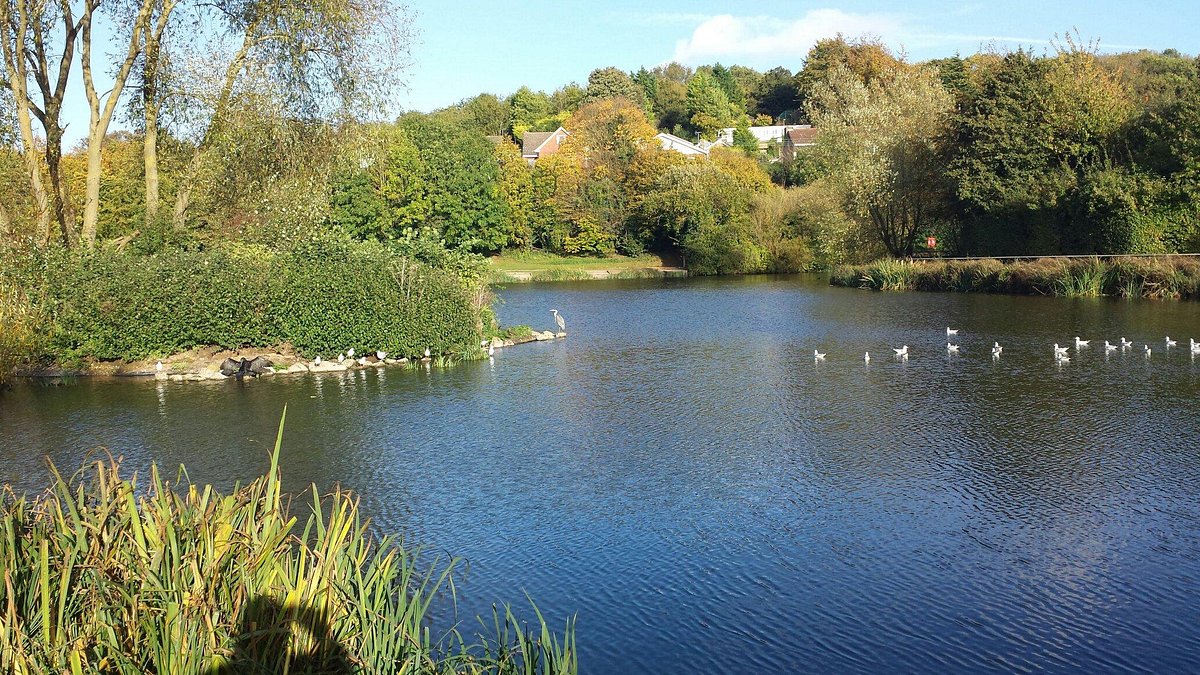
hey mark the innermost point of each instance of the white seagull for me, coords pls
(1059, 350)
(350, 353)
(996, 348)
(491, 349)
(1109, 347)
(158, 367)
(317, 361)
(427, 352)
(1147, 350)
(1170, 342)
(903, 351)
(380, 354)
(1080, 343)
(866, 357)
(818, 356)
(953, 349)
(951, 331)
(362, 360)
(1125, 343)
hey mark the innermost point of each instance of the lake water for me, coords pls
(706, 497)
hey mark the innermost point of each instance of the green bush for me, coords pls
(19, 329)
(722, 249)
(323, 296)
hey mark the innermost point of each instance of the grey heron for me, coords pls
(562, 325)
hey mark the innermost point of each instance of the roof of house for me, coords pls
(673, 142)
(802, 135)
(532, 141)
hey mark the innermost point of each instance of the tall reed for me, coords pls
(101, 575)
(1160, 277)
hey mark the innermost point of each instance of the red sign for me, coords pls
(931, 242)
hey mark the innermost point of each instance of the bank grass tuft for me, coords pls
(107, 573)
(1162, 277)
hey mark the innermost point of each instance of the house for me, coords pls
(803, 136)
(764, 135)
(538, 144)
(683, 147)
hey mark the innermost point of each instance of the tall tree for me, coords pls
(488, 114)
(867, 58)
(527, 107)
(881, 143)
(101, 108)
(321, 60)
(776, 93)
(709, 107)
(613, 83)
(30, 32)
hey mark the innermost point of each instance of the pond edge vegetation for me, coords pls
(103, 573)
(1157, 277)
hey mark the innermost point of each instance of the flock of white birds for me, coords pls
(1060, 353)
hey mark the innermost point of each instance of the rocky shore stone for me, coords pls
(203, 364)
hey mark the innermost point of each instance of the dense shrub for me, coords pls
(324, 295)
(19, 328)
(714, 249)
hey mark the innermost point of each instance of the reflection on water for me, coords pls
(707, 497)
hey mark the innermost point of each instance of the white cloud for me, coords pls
(765, 38)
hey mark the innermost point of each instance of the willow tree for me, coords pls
(881, 144)
(325, 61)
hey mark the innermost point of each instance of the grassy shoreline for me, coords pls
(530, 266)
(109, 574)
(1162, 277)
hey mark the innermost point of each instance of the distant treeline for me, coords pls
(991, 154)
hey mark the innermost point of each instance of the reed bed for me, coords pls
(104, 575)
(1163, 277)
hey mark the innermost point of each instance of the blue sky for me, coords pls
(473, 46)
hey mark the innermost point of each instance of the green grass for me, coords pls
(529, 261)
(108, 574)
(1173, 277)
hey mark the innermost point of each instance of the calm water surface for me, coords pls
(682, 475)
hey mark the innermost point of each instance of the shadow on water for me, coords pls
(275, 638)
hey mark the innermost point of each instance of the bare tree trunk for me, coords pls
(101, 116)
(59, 200)
(35, 61)
(150, 105)
(150, 140)
(13, 43)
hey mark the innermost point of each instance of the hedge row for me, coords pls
(322, 298)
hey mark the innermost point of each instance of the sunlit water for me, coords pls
(681, 474)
